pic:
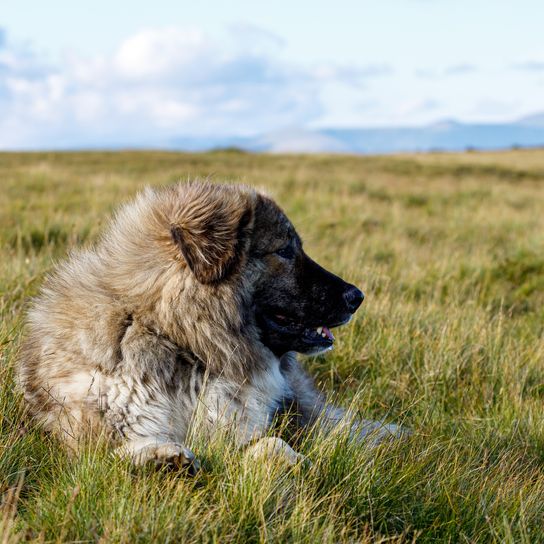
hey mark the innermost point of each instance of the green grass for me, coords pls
(450, 252)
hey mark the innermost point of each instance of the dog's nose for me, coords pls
(354, 298)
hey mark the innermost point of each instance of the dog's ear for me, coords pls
(213, 231)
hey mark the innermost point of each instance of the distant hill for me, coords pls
(446, 136)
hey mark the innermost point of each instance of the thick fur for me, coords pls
(156, 328)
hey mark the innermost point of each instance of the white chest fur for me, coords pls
(248, 408)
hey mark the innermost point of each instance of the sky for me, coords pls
(103, 73)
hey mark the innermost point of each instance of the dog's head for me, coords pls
(229, 234)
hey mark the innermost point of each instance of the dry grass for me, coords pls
(450, 252)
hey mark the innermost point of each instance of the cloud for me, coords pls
(529, 66)
(426, 73)
(460, 69)
(493, 107)
(159, 84)
(411, 107)
(453, 70)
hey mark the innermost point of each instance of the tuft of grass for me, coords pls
(449, 249)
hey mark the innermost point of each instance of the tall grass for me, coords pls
(450, 252)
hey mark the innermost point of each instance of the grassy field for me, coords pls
(450, 252)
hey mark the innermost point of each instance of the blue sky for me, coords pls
(130, 73)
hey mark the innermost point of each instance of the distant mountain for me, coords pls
(533, 120)
(446, 135)
(298, 140)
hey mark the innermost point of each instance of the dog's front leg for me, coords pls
(366, 431)
(141, 404)
(274, 448)
(312, 409)
(143, 420)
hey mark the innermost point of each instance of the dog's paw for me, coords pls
(275, 449)
(167, 454)
(375, 432)
(176, 456)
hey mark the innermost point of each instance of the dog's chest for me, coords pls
(248, 408)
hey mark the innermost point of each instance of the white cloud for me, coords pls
(530, 66)
(460, 69)
(159, 84)
(161, 53)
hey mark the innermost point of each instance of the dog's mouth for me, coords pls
(315, 337)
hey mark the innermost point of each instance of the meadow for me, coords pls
(449, 249)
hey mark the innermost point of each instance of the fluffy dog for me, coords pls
(190, 306)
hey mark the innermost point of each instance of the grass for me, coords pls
(450, 252)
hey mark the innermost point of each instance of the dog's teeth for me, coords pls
(319, 330)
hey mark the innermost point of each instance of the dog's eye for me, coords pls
(287, 252)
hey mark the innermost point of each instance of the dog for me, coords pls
(190, 306)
